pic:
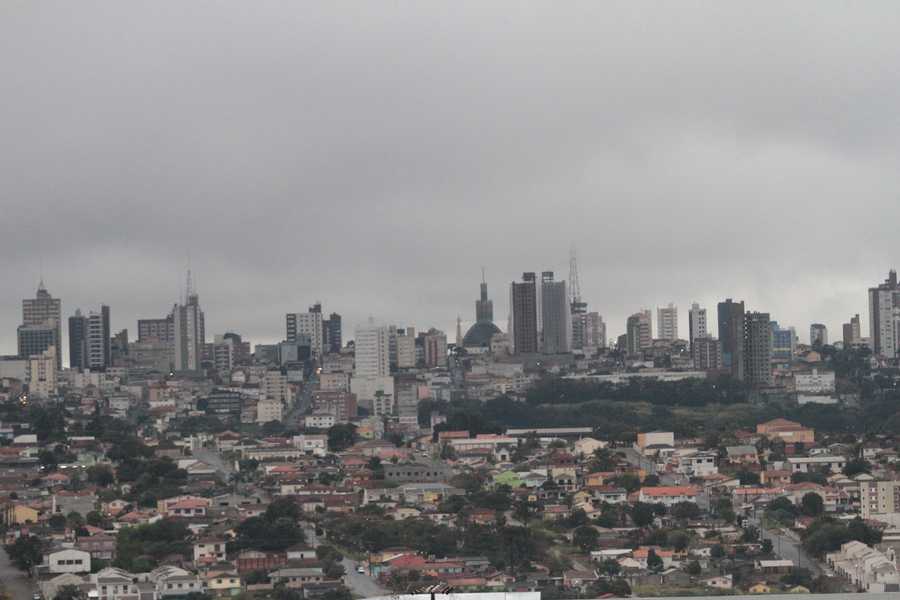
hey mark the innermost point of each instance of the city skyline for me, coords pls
(613, 327)
(294, 168)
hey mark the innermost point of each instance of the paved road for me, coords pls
(214, 459)
(787, 546)
(359, 584)
(16, 583)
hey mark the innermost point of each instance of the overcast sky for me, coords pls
(375, 155)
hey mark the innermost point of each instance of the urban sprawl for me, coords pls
(542, 460)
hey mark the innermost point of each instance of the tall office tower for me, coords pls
(884, 316)
(580, 322)
(308, 324)
(818, 334)
(157, 331)
(639, 332)
(118, 348)
(190, 331)
(852, 333)
(523, 328)
(667, 322)
(372, 351)
(706, 353)
(78, 341)
(594, 331)
(784, 343)
(45, 311)
(435, 343)
(332, 335)
(555, 315)
(697, 323)
(731, 337)
(758, 349)
(98, 338)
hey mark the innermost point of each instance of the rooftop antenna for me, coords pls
(574, 283)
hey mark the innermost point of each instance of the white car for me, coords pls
(361, 569)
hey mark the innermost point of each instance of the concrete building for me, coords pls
(639, 332)
(814, 383)
(269, 410)
(884, 316)
(333, 340)
(758, 349)
(852, 333)
(556, 335)
(731, 337)
(308, 324)
(157, 330)
(34, 340)
(667, 322)
(372, 351)
(697, 324)
(523, 328)
(78, 341)
(706, 353)
(878, 498)
(435, 344)
(190, 332)
(68, 561)
(98, 339)
(784, 343)
(42, 373)
(594, 331)
(480, 333)
(44, 311)
(818, 335)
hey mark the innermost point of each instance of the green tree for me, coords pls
(25, 552)
(642, 514)
(70, 592)
(812, 505)
(585, 538)
(654, 562)
(693, 568)
(341, 437)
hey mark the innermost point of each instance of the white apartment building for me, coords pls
(667, 322)
(308, 324)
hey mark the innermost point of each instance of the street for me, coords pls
(360, 584)
(17, 585)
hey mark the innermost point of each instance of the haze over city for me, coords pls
(377, 160)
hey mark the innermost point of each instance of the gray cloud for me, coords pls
(376, 155)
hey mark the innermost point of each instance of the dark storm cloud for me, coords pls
(375, 155)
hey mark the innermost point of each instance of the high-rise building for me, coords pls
(523, 315)
(784, 343)
(639, 332)
(308, 324)
(118, 348)
(44, 311)
(34, 340)
(884, 316)
(594, 331)
(706, 353)
(667, 322)
(852, 332)
(332, 341)
(78, 341)
(42, 373)
(757, 349)
(435, 343)
(484, 306)
(98, 339)
(406, 348)
(161, 331)
(555, 311)
(697, 323)
(818, 334)
(372, 351)
(731, 337)
(190, 331)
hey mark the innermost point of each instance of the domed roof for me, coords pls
(480, 334)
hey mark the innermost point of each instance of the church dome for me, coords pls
(480, 334)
